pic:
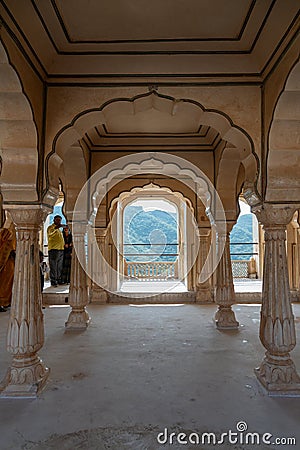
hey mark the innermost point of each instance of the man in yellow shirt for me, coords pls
(56, 245)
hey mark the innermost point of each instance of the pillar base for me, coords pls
(25, 378)
(78, 320)
(279, 377)
(225, 319)
(99, 296)
(203, 296)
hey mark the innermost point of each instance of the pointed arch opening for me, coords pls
(154, 240)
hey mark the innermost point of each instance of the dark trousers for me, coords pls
(56, 264)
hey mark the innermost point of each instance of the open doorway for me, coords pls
(151, 243)
(154, 247)
(245, 250)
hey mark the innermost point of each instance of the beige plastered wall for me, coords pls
(274, 85)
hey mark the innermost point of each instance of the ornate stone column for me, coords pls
(298, 246)
(78, 298)
(203, 289)
(99, 295)
(277, 372)
(225, 296)
(27, 373)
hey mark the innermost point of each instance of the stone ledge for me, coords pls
(248, 297)
(55, 298)
(186, 297)
(59, 298)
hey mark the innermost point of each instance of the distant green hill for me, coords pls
(242, 233)
(160, 227)
(156, 229)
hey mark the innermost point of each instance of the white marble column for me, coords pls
(27, 373)
(203, 289)
(225, 296)
(79, 318)
(277, 372)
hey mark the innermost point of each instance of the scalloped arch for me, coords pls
(90, 118)
(18, 137)
(283, 181)
(152, 100)
(154, 165)
(148, 187)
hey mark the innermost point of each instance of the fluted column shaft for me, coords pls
(27, 374)
(277, 372)
(225, 296)
(78, 297)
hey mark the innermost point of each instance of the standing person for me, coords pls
(7, 265)
(56, 245)
(66, 272)
(42, 270)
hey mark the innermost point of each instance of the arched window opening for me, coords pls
(154, 247)
(57, 210)
(151, 240)
(245, 244)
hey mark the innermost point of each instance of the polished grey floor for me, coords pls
(139, 369)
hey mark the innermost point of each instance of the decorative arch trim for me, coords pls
(218, 120)
(283, 156)
(18, 138)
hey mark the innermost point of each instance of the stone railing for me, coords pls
(243, 268)
(150, 271)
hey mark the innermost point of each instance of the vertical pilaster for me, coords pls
(277, 372)
(225, 296)
(99, 294)
(78, 298)
(298, 248)
(203, 288)
(27, 373)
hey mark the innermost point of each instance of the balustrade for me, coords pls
(149, 271)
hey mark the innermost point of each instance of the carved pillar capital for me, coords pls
(273, 215)
(29, 216)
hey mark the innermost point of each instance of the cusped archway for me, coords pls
(154, 112)
(18, 138)
(283, 181)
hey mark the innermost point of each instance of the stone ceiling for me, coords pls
(115, 38)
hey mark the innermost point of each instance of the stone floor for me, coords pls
(140, 369)
(153, 286)
(247, 285)
(244, 285)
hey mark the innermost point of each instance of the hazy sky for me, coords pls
(150, 205)
(245, 209)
